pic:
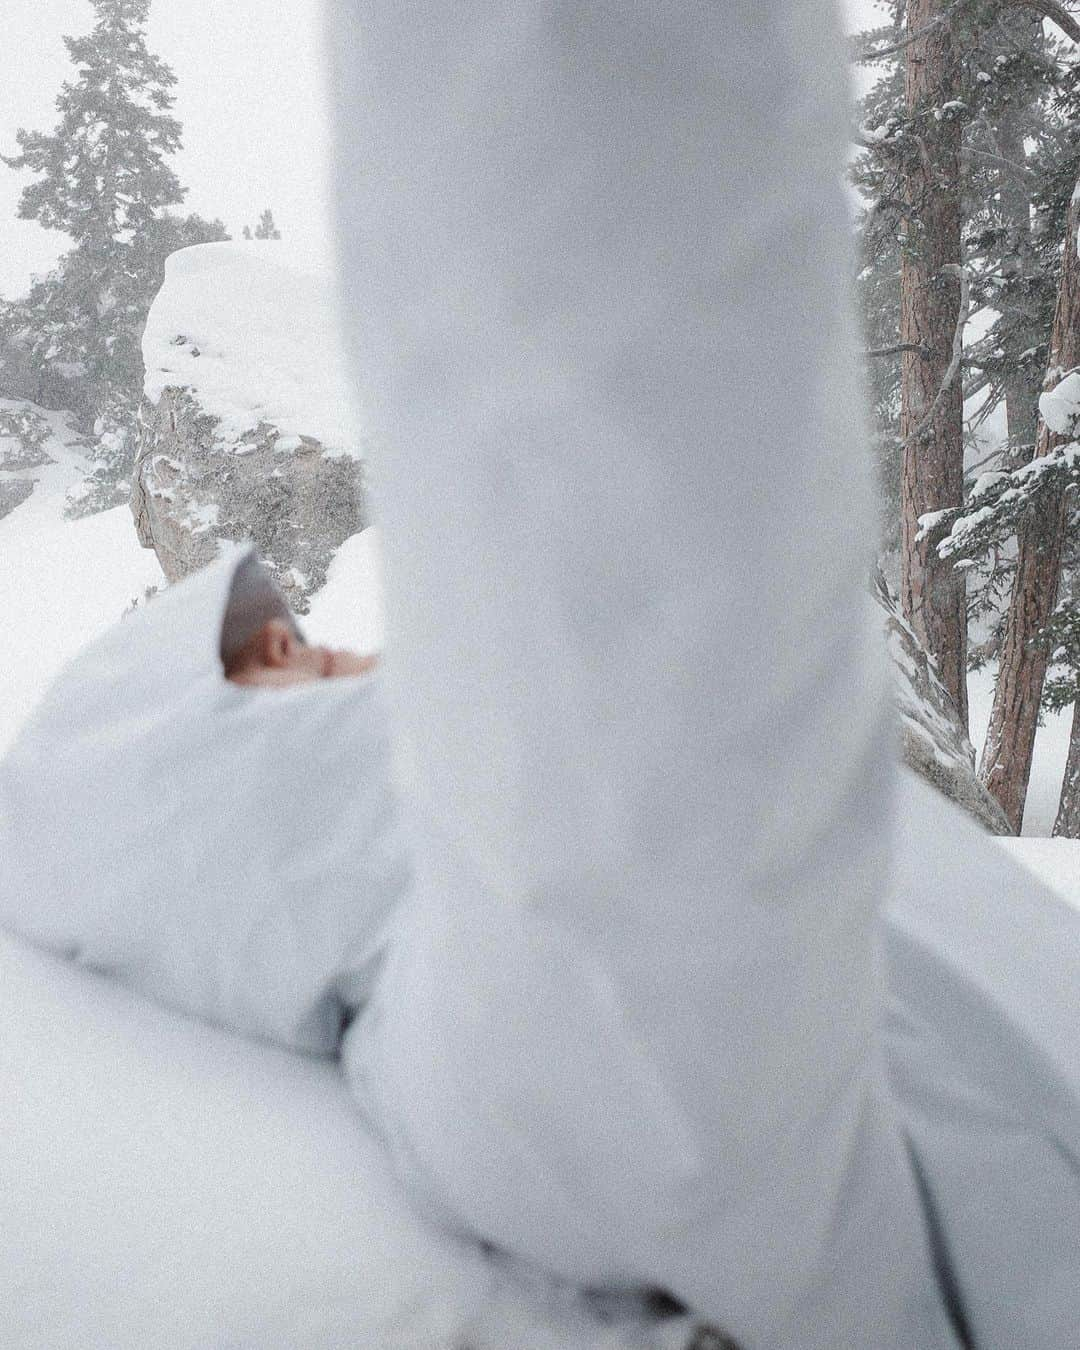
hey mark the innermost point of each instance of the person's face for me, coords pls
(275, 657)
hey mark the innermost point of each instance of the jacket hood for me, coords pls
(228, 851)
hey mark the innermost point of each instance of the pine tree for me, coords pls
(932, 311)
(1010, 172)
(104, 180)
(1019, 523)
(1010, 740)
(266, 229)
(105, 175)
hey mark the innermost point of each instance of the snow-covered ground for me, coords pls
(348, 610)
(61, 581)
(230, 1183)
(175, 1188)
(1056, 862)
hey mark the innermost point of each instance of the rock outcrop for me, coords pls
(283, 493)
(933, 742)
(248, 428)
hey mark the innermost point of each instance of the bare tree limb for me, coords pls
(986, 409)
(900, 347)
(1056, 13)
(953, 368)
(881, 52)
(973, 469)
(971, 153)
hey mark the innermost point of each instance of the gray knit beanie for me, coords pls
(254, 599)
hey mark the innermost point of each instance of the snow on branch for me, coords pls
(997, 503)
(1060, 406)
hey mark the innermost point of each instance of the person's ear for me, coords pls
(276, 644)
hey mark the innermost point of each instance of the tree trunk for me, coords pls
(1025, 29)
(932, 469)
(1010, 740)
(1067, 824)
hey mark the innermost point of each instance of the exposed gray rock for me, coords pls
(933, 742)
(190, 490)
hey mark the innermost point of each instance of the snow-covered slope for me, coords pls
(170, 1187)
(1056, 863)
(348, 611)
(61, 581)
(932, 740)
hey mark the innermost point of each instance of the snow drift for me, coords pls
(251, 330)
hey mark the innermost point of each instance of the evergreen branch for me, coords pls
(931, 24)
(891, 203)
(972, 469)
(969, 152)
(1056, 13)
(999, 502)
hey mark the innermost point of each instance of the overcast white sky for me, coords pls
(251, 97)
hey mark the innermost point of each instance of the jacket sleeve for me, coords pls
(595, 262)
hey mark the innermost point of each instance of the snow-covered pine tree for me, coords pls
(266, 229)
(933, 304)
(1020, 523)
(978, 150)
(878, 281)
(1010, 739)
(104, 180)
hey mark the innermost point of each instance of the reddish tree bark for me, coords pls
(1025, 31)
(1010, 740)
(1067, 823)
(932, 593)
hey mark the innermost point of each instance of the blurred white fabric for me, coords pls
(617, 964)
(595, 261)
(231, 852)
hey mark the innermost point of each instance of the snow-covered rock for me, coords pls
(1060, 406)
(933, 742)
(249, 430)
